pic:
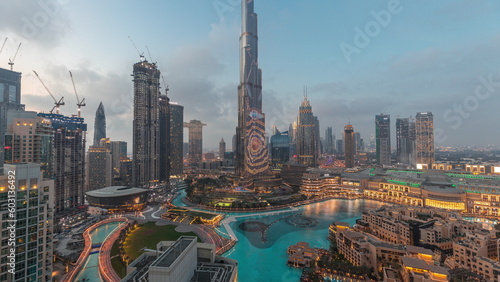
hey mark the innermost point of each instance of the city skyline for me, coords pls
(448, 57)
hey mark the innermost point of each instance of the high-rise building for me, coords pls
(340, 147)
(319, 145)
(280, 148)
(403, 148)
(424, 138)
(222, 149)
(99, 125)
(33, 221)
(359, 143)
(68, 157)
(99, 168)
(146, 129)
(251, 151)
(164, 123)
(195, 137)
(10, 100)
(413, 140)
(349, 146)
(29, 139)
(329, 143)
(383, 138)
(118, 150)
(176, 138)
(307, 144)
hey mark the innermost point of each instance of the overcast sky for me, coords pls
(358, 59)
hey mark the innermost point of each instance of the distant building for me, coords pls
(68, 157)
(340, 147)
(307, 144)
(360, 145)
(222, 149)
(424, 141)
(99, 125)
(99, 168)
(349, 146)
(176, 138)
(329, 145)
(195, 132)
(403, 144)
(146, 130)
(383, 138)
(280, 148)
(292, 173)
(34, 217)
(125, 178)
(10, 100)
(164, 135)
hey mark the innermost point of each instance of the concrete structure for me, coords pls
(68, 160)
(349, 146)
(164, 135)
(195, 140)
(329, 146)
(99, 168)
(424, 138)
(176, 138)
(183, 260)
(251, 160)
(222, 149)
(403, 145)
(118, 198)
(307, 142)
(383, 138)
(99, 125)
(146, 127)
(32, 218)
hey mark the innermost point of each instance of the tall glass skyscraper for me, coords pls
(424, 138)
(176, 138)
(251, 150)
(280, 148)
(349, 146)
(383, 138)
(307, 142)
(99, 125)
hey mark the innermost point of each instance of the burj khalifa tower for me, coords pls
(251, 151)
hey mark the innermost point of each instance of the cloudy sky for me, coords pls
(358, 59)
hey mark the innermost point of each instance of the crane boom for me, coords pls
(165, 85)
(57, 103)
(79, 103)
(11, 61)
(72, 81)
(141, 55)
(3, 45)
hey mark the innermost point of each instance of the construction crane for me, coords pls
(11, 61)
(165, 85)
(3, 45)
(57, 103)
(79, 103)
(141, 55)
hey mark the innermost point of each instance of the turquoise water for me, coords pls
(91, 270)
(265, 260)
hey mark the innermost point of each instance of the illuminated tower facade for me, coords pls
(383, 138)
(251, 150)
(307, 144)
(424, 138)
(195, 140)
(349, 146)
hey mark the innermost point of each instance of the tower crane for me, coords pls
(141, 55)
(165, 85)
(57, 103)
(3, 45)
(11, 61)
(79, 103)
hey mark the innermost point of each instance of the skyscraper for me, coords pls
(10, 100)
(424, 138)
(222, 148)
(176, 138)
(349, 146)
(280, 148)
(307, 144)
(146, 130)
(329, 143)
(251, 150)
(99, 125)
(68, 157)
(403, 148)
(99, 168)
(164, 123)
(195, 140)
(383, 138)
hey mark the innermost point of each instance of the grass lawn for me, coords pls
(119, 267)
(148, 235)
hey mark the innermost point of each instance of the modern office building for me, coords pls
(118, 150)
(68, 165)
(349, 146)
(360, 145)
(176, 138)
(307, 144)
(424, 138)
(222, 149)
(383, 139)
(99, 125)
(33, 221)
(251, 160)
(195, 137)
(329, 145)
(280, 148)
(339, 148)
(99, 168)
(10, 100)
(403, 144)
(146, 127)
(164, 123)
(29, 139)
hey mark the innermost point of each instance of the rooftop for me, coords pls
(174, 251)
(115, 191)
